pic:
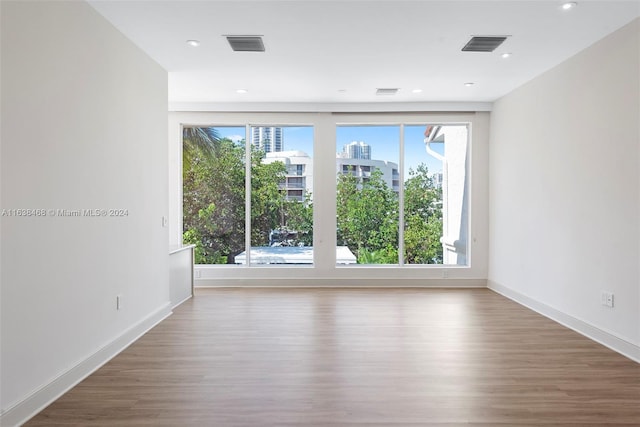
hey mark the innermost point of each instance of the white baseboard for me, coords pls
(608, 339)
(292, 282)
(180, 302)
(37, 401)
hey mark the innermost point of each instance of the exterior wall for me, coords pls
(358, 168)
(296, 183)
(84, 126)
(455, 224)
(561, 230)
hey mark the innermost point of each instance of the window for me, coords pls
(215, 198)
(295, 182)
(213, 176)
(435, 194)
(367, 202)
(418, 216)
(397, 195)
(295, 195)
(282, 218)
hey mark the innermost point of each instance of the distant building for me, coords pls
(269, 139)
(355, 159)
(299, 175)
(437, 179)
(362, 169)
(357, 150)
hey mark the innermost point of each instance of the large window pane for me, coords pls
(281, 195)
(435, 194)
(414, 216)
(368, 183)
(214, 193)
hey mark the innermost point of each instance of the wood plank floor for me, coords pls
(340, 357)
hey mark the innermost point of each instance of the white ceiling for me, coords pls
(323, 51)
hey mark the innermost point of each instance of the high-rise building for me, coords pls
(357, 150)
(268, 139)
(355, 159)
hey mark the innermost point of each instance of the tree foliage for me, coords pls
(267, 201)
(367, 209)
(214, 198)
(298, 216)
(423, 218)
(367, 218)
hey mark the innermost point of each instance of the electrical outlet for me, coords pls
(606, 299)
(445, 274)
(197, 274)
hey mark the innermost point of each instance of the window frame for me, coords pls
(324, 270)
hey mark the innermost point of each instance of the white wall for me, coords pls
(564, 191)
(84, 116)
(325, 272)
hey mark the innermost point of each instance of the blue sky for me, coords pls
(384, 142)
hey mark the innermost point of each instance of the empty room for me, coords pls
(319, 212)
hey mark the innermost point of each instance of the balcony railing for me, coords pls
(295, 185)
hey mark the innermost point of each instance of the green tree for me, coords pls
(367, 211)
(298, 216)
(214, 198)
(213, 195)
(266, 198)
(367, 218)
(423, 218)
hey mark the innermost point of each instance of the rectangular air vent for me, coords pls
(246, 43)
(386, 91)
(483, 43)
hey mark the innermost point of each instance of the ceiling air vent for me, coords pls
(246, 43)
(386, 91)
(483, 43)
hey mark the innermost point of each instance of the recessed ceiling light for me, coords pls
(416, 90)
(342, 90)
(469, 84)
(194, 43)
(506, 55)
(569, 5)
(242, 91)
